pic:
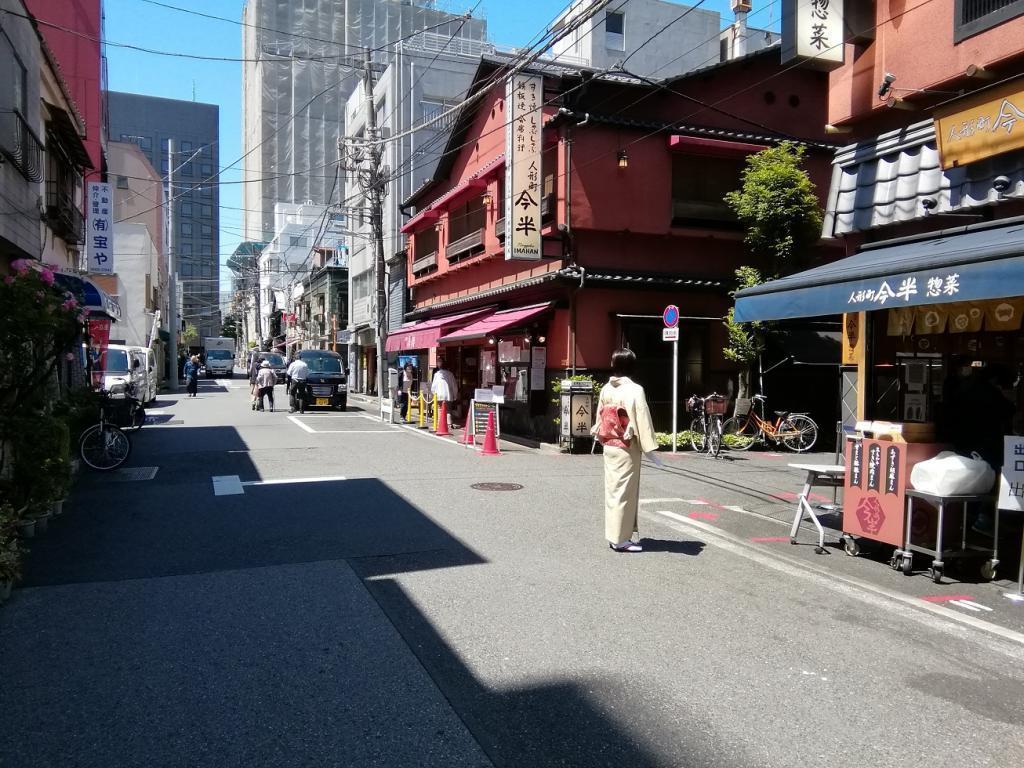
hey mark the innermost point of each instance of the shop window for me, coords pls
(615, 31)
(466, 229)
(699, 186)
(973, 16)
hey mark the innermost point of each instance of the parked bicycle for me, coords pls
(706, 428)
(796, 431)
(104, 446)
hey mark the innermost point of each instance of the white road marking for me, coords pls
(660, 501)
(155, 412)
(291, 480)
(737, 509)
(970, 605)
(227, 485)
(1014, 597)
(943, 620)
(309, 429)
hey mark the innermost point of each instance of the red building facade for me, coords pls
(72, 29)
(632, 219)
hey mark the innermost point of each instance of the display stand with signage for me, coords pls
(479, 411)
(1011, 490)
(576, 412)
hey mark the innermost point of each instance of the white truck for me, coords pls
(220, 356)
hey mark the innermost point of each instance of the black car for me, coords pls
(327, 382)
(277, 363)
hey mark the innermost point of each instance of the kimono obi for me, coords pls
(613, 427)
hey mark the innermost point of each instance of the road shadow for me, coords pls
(692, 548)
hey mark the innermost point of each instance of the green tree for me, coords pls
(190, 336)
(779, 210)
(778, 207)
(230, 327)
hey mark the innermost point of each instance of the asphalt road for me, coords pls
(340, 595)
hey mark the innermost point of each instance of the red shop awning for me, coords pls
(499, 321)
(425, 333)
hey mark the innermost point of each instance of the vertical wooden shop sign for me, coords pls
(524, 96)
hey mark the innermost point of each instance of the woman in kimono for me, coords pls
(624, 428)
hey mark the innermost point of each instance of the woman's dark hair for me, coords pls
(623, 362)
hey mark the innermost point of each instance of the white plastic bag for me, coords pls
(950, 474)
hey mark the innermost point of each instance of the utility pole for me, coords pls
(172, 277)
(374, 183)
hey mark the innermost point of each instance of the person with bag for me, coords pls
(265, 381)
(192, 375)
(623, 427)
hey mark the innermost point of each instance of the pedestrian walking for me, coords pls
(444, 386)
(296, 376)
(254, 368)
(192, 375)
(265, 381)
(624, 428)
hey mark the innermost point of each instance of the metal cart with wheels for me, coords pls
(903, 558)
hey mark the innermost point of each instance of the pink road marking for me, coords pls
(818, 497)
(703, 515)
(709, 503)
(769, 539)
(945, 598)
(784, 496)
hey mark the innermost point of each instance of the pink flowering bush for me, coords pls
(39, 323)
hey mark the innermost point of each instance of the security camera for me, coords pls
(1001, 183)
(929, 204)
(886, 85)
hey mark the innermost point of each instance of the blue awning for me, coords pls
(984, 261)
(93, 298)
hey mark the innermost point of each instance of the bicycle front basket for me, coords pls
(716, 405)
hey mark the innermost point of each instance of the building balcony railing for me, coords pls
(465, 245)
(499, 228)
(62, 215)
(423, 263)
(19, 144)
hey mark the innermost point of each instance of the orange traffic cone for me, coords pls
(490, 440)
(442, 421)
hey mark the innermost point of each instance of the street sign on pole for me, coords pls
(671, 333)
(670, 316)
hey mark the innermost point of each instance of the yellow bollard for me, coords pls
(433, 414)
(408, 410)
(422, 405)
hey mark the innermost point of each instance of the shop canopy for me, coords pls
(426, 333)
(497, 322)
(94, 299)
(978, 262)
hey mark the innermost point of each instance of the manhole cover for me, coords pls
(132, 474)
(496, 486)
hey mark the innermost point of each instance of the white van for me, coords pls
(149, 383)
(117, 366)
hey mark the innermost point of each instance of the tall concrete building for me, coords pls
(303, 61)
(149, 122)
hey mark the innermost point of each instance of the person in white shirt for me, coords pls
(265, 381)
(443, 384)
(297, 374)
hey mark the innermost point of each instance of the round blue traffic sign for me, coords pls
(671, 316)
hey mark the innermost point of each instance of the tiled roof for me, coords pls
(884, 181)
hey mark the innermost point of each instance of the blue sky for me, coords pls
(134, 22)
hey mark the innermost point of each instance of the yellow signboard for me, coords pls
(987, 124)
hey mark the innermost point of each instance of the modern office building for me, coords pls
(303, 61)
(149, 122)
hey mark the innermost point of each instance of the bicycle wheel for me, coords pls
(738, 434)
(799, 433)
(104, 447)
(697, 437)
(715, 436)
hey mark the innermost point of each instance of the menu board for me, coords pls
(480, 415)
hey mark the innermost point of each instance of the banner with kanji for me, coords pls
(524, 97)
(99, 227)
